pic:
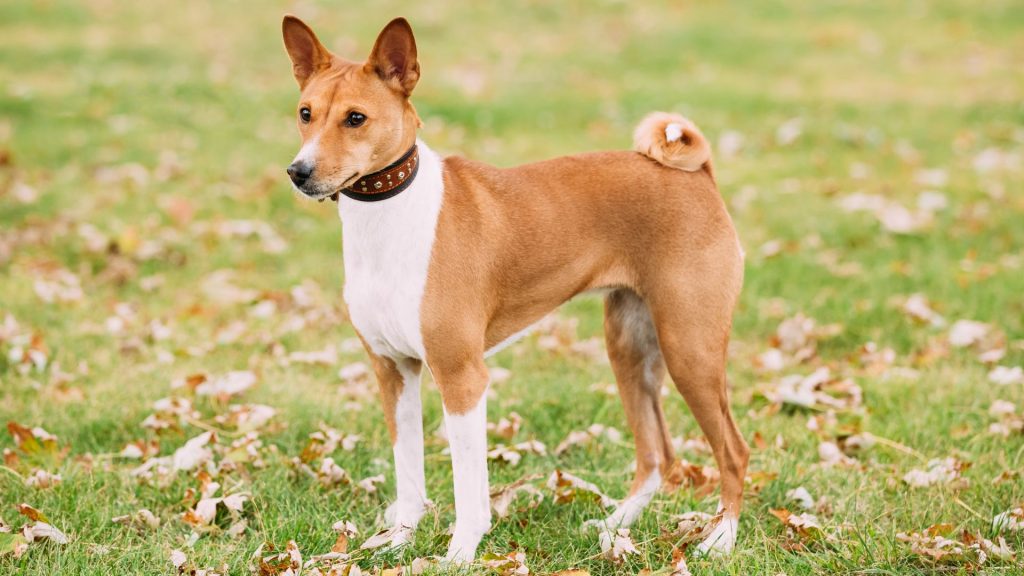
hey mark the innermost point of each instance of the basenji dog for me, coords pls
(447, 260)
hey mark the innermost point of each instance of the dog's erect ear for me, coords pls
(394, 56)
(307, 53)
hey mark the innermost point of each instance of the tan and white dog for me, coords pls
(447, 260)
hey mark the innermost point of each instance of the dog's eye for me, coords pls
(355, 119)
(305, 115)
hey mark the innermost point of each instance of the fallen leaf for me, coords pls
(964, 333)
(568, 487)
(13, 544)
(511, 564)
(513, 454)
(801, 496)
(615, 546)
(917, 307)
(1012, 520)
(178, 558)
(346, 530)
(141, 520)
(369, 485)
(938, 471)
(43, 531)
(804, 525)
(227, 385)
(506, 427)
(1006, 375)
(194, 452)
(593, 432)
(31, 513)
(503, 497)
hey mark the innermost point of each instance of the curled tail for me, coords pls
(673, 141)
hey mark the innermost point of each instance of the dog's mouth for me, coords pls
(321, 196)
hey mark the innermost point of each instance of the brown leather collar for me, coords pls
(388, 182)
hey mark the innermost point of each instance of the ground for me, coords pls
(869, 152)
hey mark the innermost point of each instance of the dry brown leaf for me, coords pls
(506, 427)
(939, 471)
(369, 485)
(142, 520)
(1012, 519)
(503, 497)
(692, 527)
(615, 546)
(346, 530)
(568, 488)
(513, 454)
(194, 453)
(511, 564)
(593, 432)
(935, 546)
(804, 525)
(288, 561)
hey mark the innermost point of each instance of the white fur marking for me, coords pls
(673, 132)
(509, 341)
(722, 539)
(467, 437)
(629, 510)
(387, 248)
(308, 151)
(408, 450)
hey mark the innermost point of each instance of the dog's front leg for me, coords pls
(463, 387)
(400, 395)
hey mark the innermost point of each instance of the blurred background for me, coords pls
(870, 153)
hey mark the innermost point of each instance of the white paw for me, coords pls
(721, 540)
(459, 554)
(408, 515)
(390, 538)
(462, 548)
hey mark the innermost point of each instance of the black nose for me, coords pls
(299, 172)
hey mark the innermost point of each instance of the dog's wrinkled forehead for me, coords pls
(344, 88)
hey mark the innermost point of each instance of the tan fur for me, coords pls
(513, 244)
(390, 383)
(632, 342)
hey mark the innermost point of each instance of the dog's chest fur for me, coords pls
(387, 248)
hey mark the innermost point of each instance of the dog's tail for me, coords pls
(673, 141)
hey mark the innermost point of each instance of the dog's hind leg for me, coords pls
(693, 321)
(639, 370)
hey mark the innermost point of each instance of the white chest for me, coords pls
(387, 247)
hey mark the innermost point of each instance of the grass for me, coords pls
(153, 122)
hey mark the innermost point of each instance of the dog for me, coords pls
(448, 260)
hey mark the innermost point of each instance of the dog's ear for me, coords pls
(394, 56)
(307, 53)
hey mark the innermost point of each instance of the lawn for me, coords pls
(872, 155)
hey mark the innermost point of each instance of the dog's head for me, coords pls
(354, 118)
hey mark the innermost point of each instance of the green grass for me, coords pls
(90, 86)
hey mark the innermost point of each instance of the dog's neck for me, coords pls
(388, 181)
(393, 220)
(387, 247)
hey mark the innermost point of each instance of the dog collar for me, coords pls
(388, 182)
